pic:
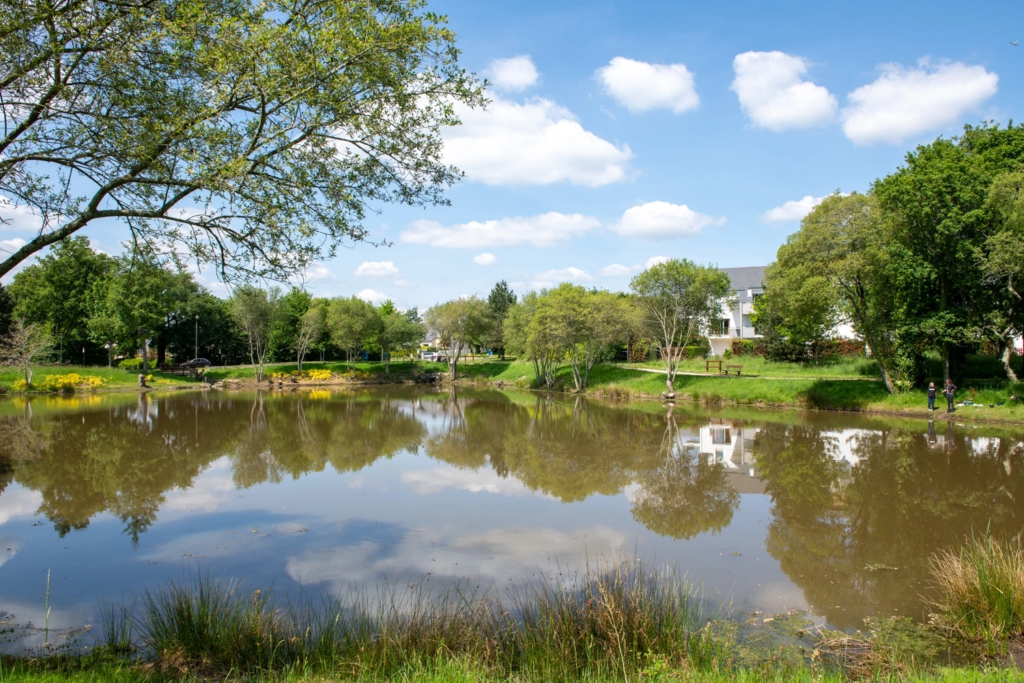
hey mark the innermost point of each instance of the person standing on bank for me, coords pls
(931, 396)
(950, 393)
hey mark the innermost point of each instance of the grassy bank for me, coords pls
(55, 378)
(993, 399)
(625, 622)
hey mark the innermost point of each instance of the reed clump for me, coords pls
(608, 621)
(980, 588)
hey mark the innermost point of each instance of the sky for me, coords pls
(620, 133)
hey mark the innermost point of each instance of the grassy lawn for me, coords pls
(768, 384)
(110, 378)
(846, 368)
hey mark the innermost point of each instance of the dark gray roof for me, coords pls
(745, 278)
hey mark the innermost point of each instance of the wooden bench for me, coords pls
(737, 368)
(709, 363)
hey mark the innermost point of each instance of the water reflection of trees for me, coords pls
(838, 528)
(683, 494)
(124, 459)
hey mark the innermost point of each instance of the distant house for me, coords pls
(746, 284)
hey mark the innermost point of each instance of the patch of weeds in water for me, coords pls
(980, 588)
(888, 647)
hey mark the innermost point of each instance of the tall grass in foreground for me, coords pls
(616, 621)
(981, 589)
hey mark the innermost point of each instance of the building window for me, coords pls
(721, 328)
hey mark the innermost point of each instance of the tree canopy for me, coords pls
(246, 136)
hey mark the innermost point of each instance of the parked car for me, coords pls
(197, 363)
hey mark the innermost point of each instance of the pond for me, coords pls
(830, 513)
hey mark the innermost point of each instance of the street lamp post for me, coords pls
(197, 337)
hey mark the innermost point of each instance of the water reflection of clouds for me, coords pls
(19, 502)
(492, 555)
(212, 488)
(435, 480)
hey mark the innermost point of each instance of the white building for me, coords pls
(747, 284)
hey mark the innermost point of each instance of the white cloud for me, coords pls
(615, 270)
(640, 86)
(425, 482)
(490, 556)
(485, 259)
(655, 260)
(377, 269)
(514, 73)
(662, 220)
(12, 245)
(372, 295)
(535, 143)
(545, 230)
(556, 275)
(20, 218)
(402, 282)
(793, 210)
(773, 94)
(904, 103)
(19, 502)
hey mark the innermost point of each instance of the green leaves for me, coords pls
(247, 136)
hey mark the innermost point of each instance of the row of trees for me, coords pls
(930, 260)
(77, 298)
(674, 303)
(78, 304)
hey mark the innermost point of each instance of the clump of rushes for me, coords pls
(980, 589)
(609, 621)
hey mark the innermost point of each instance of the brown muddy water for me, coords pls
(319, 490)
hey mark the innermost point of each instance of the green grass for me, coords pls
(981, 589)
(825, 392)
(113, 378)
(846, 368)
(461, 671)
(612, 620)
(625, 622)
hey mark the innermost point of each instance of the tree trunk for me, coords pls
(946, 353)
(386, 355)
(1007, 355)
(298, 360)
(453, 367)
(145, 355)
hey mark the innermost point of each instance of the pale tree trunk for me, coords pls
(1007, 355)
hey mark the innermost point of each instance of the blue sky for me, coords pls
(624, 131)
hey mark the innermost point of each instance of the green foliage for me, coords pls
(499, 301)
(353, 323)
(55, 291)
(287, 118)
(397, 331)
(981, 589)
(460, 325)
(255, 312)
(678, 300)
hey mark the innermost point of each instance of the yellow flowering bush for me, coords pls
(70, 382)
(21, 385)
(319, 375)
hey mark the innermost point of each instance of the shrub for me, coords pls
(319, 375)
(69, 382)
(130, 364)
(850, 347)
(21, 385)
(981, 589)
(742, 347)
